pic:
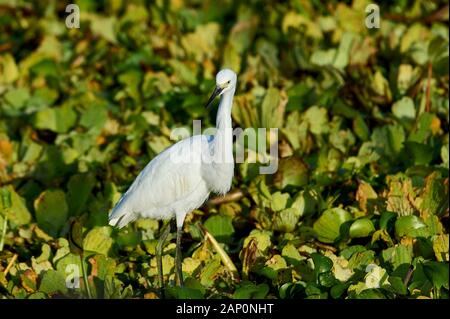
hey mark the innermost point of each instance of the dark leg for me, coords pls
(159, 250)
(178, 257)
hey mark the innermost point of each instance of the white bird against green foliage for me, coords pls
(168, 188)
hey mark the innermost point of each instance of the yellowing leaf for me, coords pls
(8, 69)
(98, 240)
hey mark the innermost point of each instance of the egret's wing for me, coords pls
(169, 177)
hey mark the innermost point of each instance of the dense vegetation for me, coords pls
(357, 209)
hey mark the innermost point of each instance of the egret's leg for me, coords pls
(178, 257)
(159, 250)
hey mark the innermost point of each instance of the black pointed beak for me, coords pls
(216, 92)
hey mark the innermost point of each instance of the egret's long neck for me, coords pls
(223, 140)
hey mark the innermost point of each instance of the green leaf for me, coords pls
(45, 255)
(404, 109)
(434, 196)
(17, 97)
(128, 239)
(59, 119)
(291, 254)
(361, 258)
(322, 57)
(360, 128)
(292, 290)
(13, 207)
(195, 289)
(380, 86)
(261, 238)
(51, 211)
(183, 72)
(343, 53)
(327, 279)
(248, 290)
(321, 263)
(362, 227)
(440, 247)
(292, 172)
(104, 27)
(279, 201)
(421, 154)
(338, 290)
(37, 295)
(407, 225)
(437, 273)
(209, 272)
(286, 220)
(397, 285)
(131, 80)
(273, 267)
(221, 227)
(422, 131)
(186, 293)
(389, 140)
(397, 255)
(201, 43)
(272, 109)
(306, 202)
(327, 226)
(323, 270)
(371, 294)
(95, 116)
(70, 263)
(317, 119)
(46, 67)
(9, 71)
(80, 187)
(105, 266)
(42, 97)
(98, 240)
(53, 282)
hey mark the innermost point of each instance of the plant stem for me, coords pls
(428, 98)
(222, 253)
(11, 263)
(232, 196)
(85, 279)
(2, 239)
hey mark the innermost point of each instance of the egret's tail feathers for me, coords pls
(122, 220)
(120, 216)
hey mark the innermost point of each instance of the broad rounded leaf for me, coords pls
(361, 228)
(406, 225)
(53, 282)
(249, 290)
(286, 220)
(292, 171)
(98, 240)
(221, 227)
(13, 207)
(51, 211)
(327, 227)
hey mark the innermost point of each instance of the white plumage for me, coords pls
(164, 189)
(180, 179)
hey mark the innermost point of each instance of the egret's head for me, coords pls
(225, 81)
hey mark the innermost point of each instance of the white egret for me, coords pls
(167, 189)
